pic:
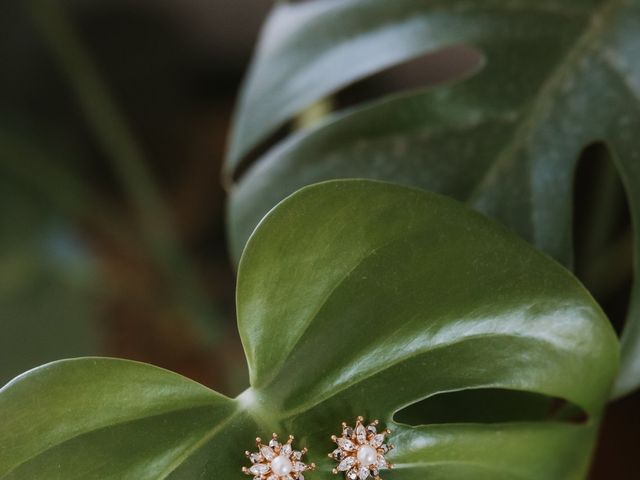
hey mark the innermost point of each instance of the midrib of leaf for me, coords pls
(614, 68)
(275, 370)
(359, 262)
(539, 106)
(249, 409)
(199, 444)
(252, 408)
(120, 423)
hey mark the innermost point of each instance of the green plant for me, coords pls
(354, 297)
(555, 76)
(486, 357)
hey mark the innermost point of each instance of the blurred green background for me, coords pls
(113, 119)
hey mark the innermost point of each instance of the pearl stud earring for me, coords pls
(277, 461)
(361, 450)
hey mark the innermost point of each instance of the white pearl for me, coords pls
(367, 455)
(281, 466)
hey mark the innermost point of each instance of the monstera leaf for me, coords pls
(556, 76)
(354, 298)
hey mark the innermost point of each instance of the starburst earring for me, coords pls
(277, 461)
(361, 450)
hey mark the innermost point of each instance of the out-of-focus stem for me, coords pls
(127, 158)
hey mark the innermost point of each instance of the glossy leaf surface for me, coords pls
(557, 75)
(354, 298)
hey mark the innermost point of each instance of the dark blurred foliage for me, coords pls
(125, 255)
(77, 273)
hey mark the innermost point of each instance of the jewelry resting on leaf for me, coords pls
(361, 450)
(277, 461)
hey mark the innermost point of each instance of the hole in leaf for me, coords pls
(489, 405)
(602, 232)
(259, 150)
(444, 66)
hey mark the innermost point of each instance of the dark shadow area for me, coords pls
(602, 232)
(615, 457)
(491, 405)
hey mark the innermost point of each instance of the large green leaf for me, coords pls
(557, 75)
(354, 297)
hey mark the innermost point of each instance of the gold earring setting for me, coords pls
(277, 461)
(361, 450)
